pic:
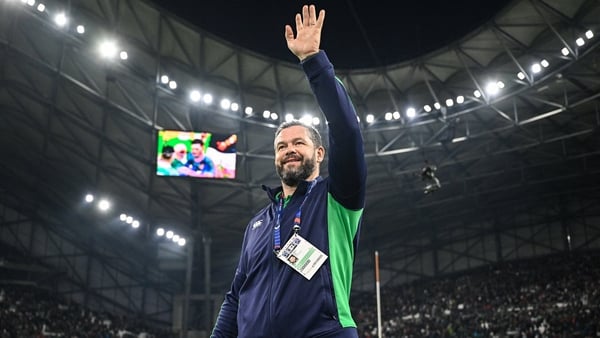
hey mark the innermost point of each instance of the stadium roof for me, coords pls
(508, 113)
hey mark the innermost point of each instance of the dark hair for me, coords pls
(198, 141)
(167, 151)
(315, 136)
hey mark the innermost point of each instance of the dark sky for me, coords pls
(357, 33)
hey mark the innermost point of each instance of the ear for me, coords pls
(320, 154)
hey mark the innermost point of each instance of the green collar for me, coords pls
(286, 199)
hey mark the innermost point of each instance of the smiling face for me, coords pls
(197, 151)
(296, 157)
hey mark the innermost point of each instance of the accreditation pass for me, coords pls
(302, 256)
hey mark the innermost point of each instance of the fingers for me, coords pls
(298, 21)
(321, 18)
(289, 33)
(306, 15)
(312, 15)
(309, 17)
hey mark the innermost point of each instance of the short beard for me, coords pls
(292, 177)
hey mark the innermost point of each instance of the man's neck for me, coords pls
(290, 190)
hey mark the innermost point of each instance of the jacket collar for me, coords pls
(300, 191)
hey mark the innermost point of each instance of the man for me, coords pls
(432, 183)
(180, 155)
(164, 162)
(316, 220)
(200, 165)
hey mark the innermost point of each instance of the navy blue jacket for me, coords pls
(268, 298)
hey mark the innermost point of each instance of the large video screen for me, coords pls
(196, 154)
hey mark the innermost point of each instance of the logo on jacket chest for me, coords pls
(257, 224)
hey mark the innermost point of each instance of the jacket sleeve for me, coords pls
(347, 167)
(226, 325)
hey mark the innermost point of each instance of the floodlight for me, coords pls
(103, 205)
(288, 117)
(172, 84)
(460, 99)
(164, 79)
(427, 108)
(521, 76)
(123, 55)
(545, 63)
(129, 220)
(589, 34)
(266, 114)
(80, 28)
(123, 217)
(449, 102)
(396, 115)
(248, 110)
(207, 98)
(580, 42)
(89, 198)
(135, 224)
(274, 116)
(195, 96)
(477, 93)
(108, 49)
(31, 2)
(41, 8)
(388, 116)
(235, 106)
(370, 118)
(175, 238)
(60, 19)
(316, 121)
(225, 104)
(565, 51)
(306, 119)
(181, 241)
(160, 231)
(169, 234)
(437, 106)
(492, 88)
(536, 68)
(411, 112)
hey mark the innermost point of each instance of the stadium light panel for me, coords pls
(195, 95)
(103, 205)
(225, 104)
(60, 19)
(589, 34)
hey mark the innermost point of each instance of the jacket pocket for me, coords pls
(330, 309)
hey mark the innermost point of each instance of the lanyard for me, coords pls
(297, 219)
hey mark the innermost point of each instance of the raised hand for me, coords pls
(308, 32)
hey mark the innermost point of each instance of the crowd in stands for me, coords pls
(554, 296)
(27, 311)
